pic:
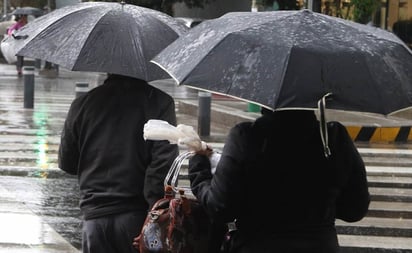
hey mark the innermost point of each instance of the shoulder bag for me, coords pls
(177, 223)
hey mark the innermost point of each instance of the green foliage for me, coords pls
(364, 10)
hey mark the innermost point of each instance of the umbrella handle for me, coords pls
(323, 125)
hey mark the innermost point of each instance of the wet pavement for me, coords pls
(43, 203)
(39, 204)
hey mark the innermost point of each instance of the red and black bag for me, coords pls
(178, 223)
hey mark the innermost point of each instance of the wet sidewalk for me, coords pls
(22, 131)
(23, 231)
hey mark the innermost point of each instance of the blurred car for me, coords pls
(190, 22)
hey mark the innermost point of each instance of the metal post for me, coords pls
(28, 76)
(254, 7)
(204, 113)
(81, 88)
(5, 7)
(37, 63)
(309, 5)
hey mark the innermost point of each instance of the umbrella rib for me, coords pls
(285, 67)
(167, 71)
(228, 95)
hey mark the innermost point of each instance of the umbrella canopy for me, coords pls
(292, 59)
(36, 12)
(101, 37)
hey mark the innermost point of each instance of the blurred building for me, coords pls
(391, 15)
(213, 10)
(62, 3)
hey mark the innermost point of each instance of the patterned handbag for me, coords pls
(177, 223)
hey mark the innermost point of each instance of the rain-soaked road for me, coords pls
(53, 199)
(28, 152)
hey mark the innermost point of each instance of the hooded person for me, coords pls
(275, 181)
(120, 174)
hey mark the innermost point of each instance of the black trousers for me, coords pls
(19, 63)
(112, 234)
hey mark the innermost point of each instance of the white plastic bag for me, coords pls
(158, 130)
(183, 135)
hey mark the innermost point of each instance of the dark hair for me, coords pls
(18, 17)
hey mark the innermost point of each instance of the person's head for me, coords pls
(21, 18)
(291, 116)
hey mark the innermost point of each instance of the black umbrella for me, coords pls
(292, 59)
(36, 12)
(101, 37)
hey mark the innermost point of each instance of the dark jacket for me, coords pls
(102, 142)
(274, 179)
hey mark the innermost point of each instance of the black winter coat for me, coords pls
(275, 180)
(102, 143)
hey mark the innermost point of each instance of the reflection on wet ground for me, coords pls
(29, 140)
(55, 200)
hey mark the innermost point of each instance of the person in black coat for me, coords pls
(275, 182)
(120, 174)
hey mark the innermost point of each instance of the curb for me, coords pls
(371, 134)
(34, 172)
